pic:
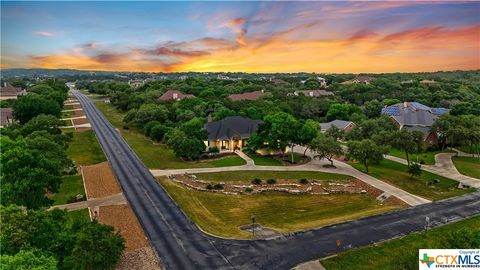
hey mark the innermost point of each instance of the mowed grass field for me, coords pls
(71, 186)
(84, 149)
(80, 215)
(158, 156)
(467, 166)
(428, 157)
(398, 253)
(265, 160)
(397, 175)
(222, 215)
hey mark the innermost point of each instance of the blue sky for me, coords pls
(241, 36)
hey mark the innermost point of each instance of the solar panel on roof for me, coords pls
(391, 110)
(419, 106)
(439, 111)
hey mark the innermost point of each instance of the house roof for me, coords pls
(362, 79)
(425, 130)
(6, 115)
(231, 127)
(9, 90)
(341, 124)
(413, 113)
(313, 93)
(246, 96)
(169, 95)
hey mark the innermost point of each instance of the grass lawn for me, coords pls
(264, 175)
(397, 175)
(80, 215)
(67, 114)
(265, 160)
(467, 149)
(157, 156)
(398, 253)
(427, 157)
(71, 186)
(468, 166)
(68, 107)
(84, 149)
(222, 215)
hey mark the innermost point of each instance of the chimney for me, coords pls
(405, 104)
(263, 90)
(209, 118)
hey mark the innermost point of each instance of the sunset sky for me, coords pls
(320, 37)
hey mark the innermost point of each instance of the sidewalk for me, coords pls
(117, 199)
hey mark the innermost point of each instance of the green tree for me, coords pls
(342, 111)
(32, 105)
(158, 131)
(326, 147)
(96, 247)
(183, 146)
(373, 108)
(28, 260)
(414, 169)
(366, 152)
(335, 132)
(406, 141)
(307, 133)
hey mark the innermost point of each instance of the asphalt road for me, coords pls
(181, 245)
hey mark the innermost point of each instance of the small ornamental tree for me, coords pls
(414, 169)
(326, 147)
(366, 152)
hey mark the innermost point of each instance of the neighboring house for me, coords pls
(428, 81)
(7, 91)
(174, 95)
(231, 132)
(360, 79)
(278, 81)
(322, 81)
(246, 96)
(312, 93)
(415, 116)
(6, 116)
(406, 82)
(346, 126)
(135, 83)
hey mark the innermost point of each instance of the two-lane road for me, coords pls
(181, 245)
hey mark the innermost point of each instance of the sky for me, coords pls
(322, 37)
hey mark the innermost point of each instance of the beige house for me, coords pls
(7, 91)
(230, 133)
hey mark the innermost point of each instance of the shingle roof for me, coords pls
(231, 127)
(9, 90)
(413, 113)
(175, 95)
(246, 96)
(314, 93)
(424, 130)
(341, 124)
(6, 115)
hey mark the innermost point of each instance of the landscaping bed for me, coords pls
(139, 259)
(122, 218)
(100, 181)
(80, 121)
(278, 160)
(71, 186)
(396, 174)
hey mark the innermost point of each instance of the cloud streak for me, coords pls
(44, 33)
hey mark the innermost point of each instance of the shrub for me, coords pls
(303, 181)
(249, 190)
(218, 186)
(256, 181)
(271, 181)
(209, 187)
(213, 149)
(125, 127)
(148, 127)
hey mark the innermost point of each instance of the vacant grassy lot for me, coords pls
(397, 175)
(71, 186)
(468, 166)
(157, 156)
(398, 253)
(84, 149)
(265, 160)
(222, 215)
(428, 157)
(80, 215)
(67, 114)
(264, 175)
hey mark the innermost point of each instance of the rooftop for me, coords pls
(413, 113)
(246, 96)
(341, 124)
(174, 95)
(231, 127)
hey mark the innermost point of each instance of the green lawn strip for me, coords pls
(71, 186)
(468, 166)
(397, 253)
(222, 215)
(229, 161)
(465, 148)
(80, 215)
(68, 107)
(428, 157)
(158, 156)
(397, 175)
(84, 149)
(264, 175)
(265, 160)
(67, 114)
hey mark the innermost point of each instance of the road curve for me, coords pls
(181, 245)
